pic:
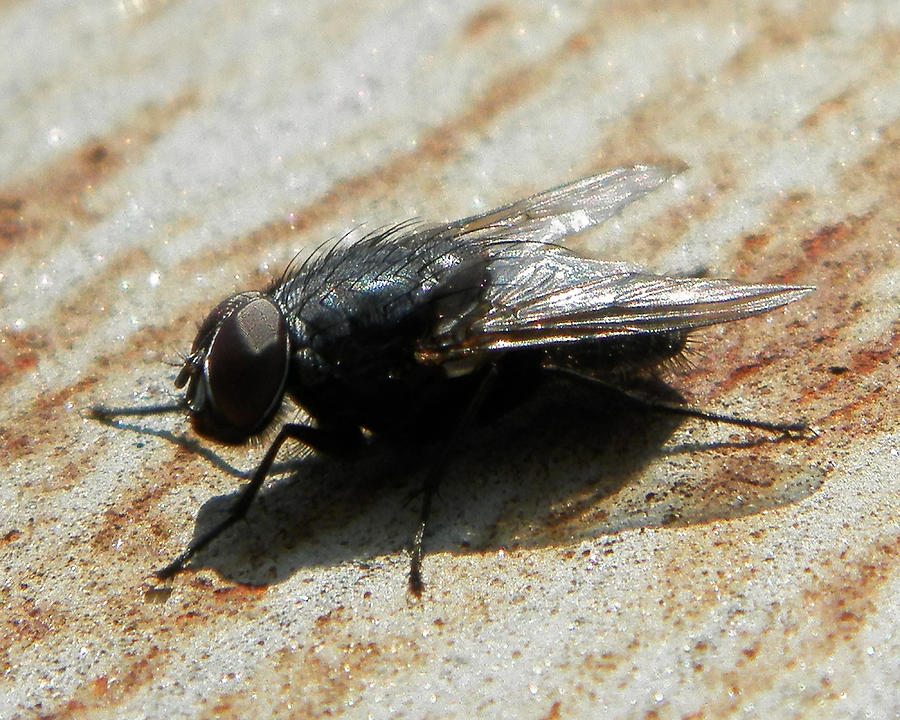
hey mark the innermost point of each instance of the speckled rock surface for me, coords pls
(157, 156)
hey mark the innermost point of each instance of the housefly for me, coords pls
(411, 329)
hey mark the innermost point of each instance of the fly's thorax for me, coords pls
(237, 369)
(309, 369)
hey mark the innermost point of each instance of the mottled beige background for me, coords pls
(156, 156)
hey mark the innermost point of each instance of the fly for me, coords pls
(410, 330)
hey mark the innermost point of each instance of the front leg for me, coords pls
(326, 441)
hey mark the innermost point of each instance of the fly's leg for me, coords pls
(106, 414)
(433, 479)
(416, 585)
(799, 429)
(316, 438)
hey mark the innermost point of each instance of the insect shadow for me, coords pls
(538, 477)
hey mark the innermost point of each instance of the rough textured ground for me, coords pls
(156, 156)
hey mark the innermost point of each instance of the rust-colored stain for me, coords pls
(484, 21)
(825, 241)
(874, 402)
(131, 676)
(12, 223)
(780, 32)
(832, 106)
(19, 352)
(33, 422)
(16, 444)
(40, 424)
(117, 524)
(334, 668)
(554, 712)
(756, 243)
(47, 406)
(239, 593)
(11, 536)
(29, 619)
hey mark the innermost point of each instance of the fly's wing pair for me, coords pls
(541, 294)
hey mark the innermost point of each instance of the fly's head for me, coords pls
(237, 369)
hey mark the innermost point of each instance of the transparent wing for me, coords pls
(551, 215)
(559, 298)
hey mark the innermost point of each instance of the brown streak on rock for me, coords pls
(484, 21)
(36, 212)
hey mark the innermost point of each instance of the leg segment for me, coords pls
(316, 438)
(433, 479)
(796, 428)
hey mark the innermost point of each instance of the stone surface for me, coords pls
(157, 156)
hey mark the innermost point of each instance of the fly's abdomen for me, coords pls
(619, 355)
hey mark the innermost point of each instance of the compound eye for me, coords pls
(247, 365)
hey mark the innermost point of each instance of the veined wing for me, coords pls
(551, 215)
(559, 298)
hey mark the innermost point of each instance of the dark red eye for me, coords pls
(247, 365)
(238, 367)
